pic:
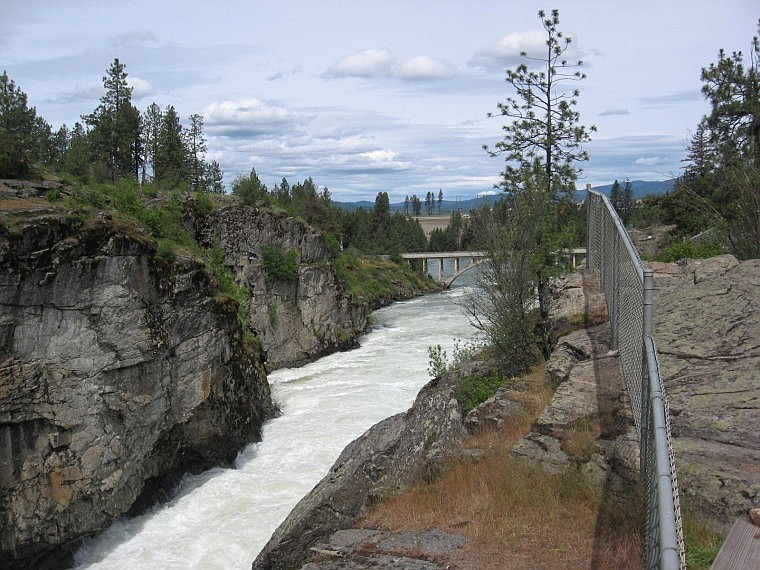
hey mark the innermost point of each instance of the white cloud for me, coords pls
(611, 112)
(366, 63)
(245, 117)
(423, 67)
(380, 155)
(140, 87)
(648, 160)
(507, 50)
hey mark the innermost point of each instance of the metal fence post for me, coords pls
(648, 301)
(615, 291)
(588, 226)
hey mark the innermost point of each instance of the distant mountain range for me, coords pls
(641, 188)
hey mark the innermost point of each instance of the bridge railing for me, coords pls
(629, 289)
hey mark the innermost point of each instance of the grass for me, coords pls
(376, 281)
(516, 515)
(701, 541)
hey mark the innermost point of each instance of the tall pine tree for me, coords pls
(115, 133)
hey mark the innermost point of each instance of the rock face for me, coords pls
(707, 328)
(385, 458)
(587, 426)
(297, 320)
(119, 370)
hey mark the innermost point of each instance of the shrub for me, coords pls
(278, 264)
(473, 390)
(691, 249)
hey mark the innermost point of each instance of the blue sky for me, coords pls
(370, 96)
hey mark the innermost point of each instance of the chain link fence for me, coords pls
(629, 290)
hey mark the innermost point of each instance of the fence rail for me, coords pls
(629, 289)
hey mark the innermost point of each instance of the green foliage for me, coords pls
(691, 249)
(520, 244)
(376, 281)
(54, 195)
(250, 189)
(225, 280)
(203, 205)
(473, 389)
(545, 126)
(437, 361)
(279, 264)
(702, 544)
(333, 244)
(272, 313)
(19, 127)
(721, 184)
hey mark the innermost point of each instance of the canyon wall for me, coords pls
(119, 371)
(298, 319)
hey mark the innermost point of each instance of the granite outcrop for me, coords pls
(120, 370)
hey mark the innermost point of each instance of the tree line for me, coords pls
(114, 142)
(718, 195)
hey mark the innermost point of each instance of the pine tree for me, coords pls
(116, 125)
(19, 146)
(170, 161)
(440, 200)
(616, 197)
(545, 125)
(214, 181)
(151, 128)
(626, 202)
(196, 146)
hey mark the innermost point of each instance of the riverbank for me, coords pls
(515, 485)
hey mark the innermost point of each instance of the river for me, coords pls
(222, 518)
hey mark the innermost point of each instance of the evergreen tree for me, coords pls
(196, 146)
(626, 202)
(406, 206)
(416, 205)
(214, 181)
(76, 160)
(115, 125)
(19, 145)
(250, 189)
(728, 190)
(170, 160)
(440, 200)
(616, 196)
(151, 129)
(545, 125)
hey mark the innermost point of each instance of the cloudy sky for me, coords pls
(377, 95)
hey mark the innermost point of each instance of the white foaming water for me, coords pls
(222, 518)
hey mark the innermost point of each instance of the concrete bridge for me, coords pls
(448, 265)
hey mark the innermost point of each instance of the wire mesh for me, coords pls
(621, 276)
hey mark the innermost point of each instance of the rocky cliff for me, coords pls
(297, 319)
(119, 370)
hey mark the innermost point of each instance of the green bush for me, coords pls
(333, 244)
(473, 390)
(279, 264)
(690, 249)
